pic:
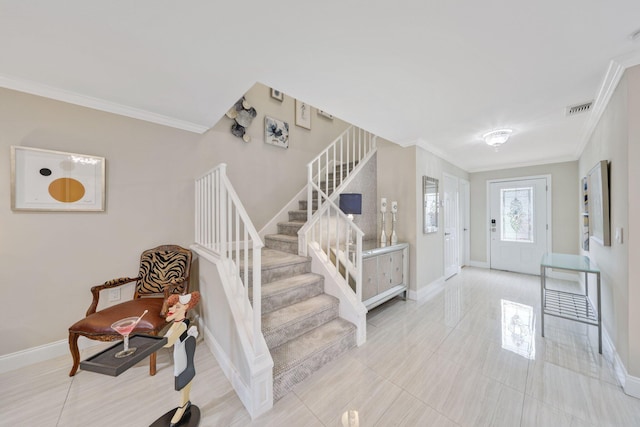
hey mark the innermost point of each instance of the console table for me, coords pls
(385, 272)
(570, 305)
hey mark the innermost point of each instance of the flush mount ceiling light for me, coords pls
(496, 138)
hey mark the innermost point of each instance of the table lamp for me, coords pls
(351, 204)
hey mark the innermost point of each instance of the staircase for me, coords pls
(267, 318)
(300, 322)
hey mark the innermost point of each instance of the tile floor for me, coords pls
(462, 358)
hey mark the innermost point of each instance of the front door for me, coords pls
(518, 224)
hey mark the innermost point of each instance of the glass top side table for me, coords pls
(570, 305)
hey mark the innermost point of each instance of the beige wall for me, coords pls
(612, 141)
(49, 260)
(400, 172)
(266, 177)
(632, 235)
(565, 186)
(54, 258)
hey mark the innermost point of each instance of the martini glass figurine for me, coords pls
(124, 328)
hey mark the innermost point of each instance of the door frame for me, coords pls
(488, 211)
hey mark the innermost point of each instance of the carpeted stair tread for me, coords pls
(284, 286)
(277, 265)
(290, 227)
(293, 223)
(295, 351)
(298, 312)
(282, 237)
(295, 360)
(298, 215)
(272, 258)
(282, 242)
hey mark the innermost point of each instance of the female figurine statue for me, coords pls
(183, 340)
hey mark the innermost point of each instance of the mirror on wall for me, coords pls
(430, 202)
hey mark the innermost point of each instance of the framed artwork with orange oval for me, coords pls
(46, 180)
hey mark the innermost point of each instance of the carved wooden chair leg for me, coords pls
(75, 353)
(152, 363)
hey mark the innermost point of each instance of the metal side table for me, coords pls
(570, 305)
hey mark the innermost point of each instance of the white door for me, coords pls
(518, 224)
(464, 222)
(450, 207)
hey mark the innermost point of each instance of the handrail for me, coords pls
(337, 160)
(327, 176)
(332, 233)
(224, 228)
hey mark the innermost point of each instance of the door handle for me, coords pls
(447, 234)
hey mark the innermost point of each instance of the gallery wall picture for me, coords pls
(276, 132)
(303, 115)
(46, 180)
(276, 94)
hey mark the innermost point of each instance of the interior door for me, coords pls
(465, 221)
(450, 207)
(518, 224)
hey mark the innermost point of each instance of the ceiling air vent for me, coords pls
(572, 110)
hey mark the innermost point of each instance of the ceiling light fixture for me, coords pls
(496, 138)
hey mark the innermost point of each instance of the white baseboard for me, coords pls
(254, 401)
(427, 292)
(479, 264)
(629, 383)
(41, 353)
(632, 386)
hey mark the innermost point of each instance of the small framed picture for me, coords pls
(303, 115)
(276, 132)
(325, 114)
(45, 180)
(276, 94)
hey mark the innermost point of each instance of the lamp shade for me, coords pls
(351, 203)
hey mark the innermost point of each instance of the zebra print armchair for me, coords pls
(163, 270)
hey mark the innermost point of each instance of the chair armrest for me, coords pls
(106, 285)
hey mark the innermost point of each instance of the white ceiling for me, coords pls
(434, 73)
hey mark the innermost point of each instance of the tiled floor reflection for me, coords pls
(471, 355)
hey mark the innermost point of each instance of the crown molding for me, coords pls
(561, 159)
(98, 104)
(419, 142)
(614, 73)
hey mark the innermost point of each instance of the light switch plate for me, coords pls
(619, 234)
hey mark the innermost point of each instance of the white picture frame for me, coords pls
(303, 115)
(276, 94)
(47, 180)
(276, 132)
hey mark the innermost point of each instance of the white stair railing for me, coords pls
(337, 162)
(339, 241)
(224, 228)
(329, 231)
